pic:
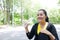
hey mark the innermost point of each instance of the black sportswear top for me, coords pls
(42, 36)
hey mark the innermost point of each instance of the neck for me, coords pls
(43, 23)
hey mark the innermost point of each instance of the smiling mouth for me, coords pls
(40, 18)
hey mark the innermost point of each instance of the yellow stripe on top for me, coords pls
(39, 28)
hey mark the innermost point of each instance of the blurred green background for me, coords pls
(14, 12)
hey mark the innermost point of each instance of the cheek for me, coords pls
(44, 17)
(41, 18)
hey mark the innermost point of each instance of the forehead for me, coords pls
(40, 12)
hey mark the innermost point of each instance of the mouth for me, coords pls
(40, 18)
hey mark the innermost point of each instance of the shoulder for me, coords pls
(51, 26)
(35, 25)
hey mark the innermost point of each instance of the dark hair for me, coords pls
(47, 19)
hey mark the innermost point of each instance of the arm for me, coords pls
(51, 36)
(53, 32)
(31, 33)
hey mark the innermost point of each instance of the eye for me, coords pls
(41, 14)
(37, 14)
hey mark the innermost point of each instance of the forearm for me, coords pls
(30, 34)
(51, 37)
(26, 29)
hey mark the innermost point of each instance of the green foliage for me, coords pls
(29, 10)
(26, 14)
(54, 16)
(17, 18)
(58, 1)
(34, 20)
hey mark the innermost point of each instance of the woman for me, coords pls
(43, 30)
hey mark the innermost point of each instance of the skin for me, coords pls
(41, 19)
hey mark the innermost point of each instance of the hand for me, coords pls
(48, 33)
(52, 37)
(45, 32)
(26, 26)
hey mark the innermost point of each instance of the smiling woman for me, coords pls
(42, 30)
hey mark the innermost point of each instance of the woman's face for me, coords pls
(41, 16)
